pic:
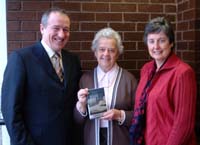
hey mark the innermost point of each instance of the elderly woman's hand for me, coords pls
(82, 100)
(112, 114)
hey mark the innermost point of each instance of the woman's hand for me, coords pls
(82, 100)
(112, 114)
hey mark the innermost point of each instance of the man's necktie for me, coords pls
(57, 66)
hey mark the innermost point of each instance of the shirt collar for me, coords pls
(110, 74)
(49, 51)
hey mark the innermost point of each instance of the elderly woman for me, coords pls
(119, 86)
(166, 95)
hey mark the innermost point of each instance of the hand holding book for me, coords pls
(82, 100)
(114, 114)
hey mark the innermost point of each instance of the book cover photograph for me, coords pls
(96, 103)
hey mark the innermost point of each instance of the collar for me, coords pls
(49, 51)
(110, 74)
(171, 62)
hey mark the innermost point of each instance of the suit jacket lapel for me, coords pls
(66, 66)
(43, 59)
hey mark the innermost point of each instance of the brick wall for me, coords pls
(126, 16)
(188, 40)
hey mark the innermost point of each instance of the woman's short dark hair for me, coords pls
(157, 25)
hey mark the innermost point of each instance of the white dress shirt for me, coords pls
(50, 52)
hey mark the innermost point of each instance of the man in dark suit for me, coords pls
(37, 105)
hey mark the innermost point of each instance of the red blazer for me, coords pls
(171, 103)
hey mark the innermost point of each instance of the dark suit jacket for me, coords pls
(36, 106)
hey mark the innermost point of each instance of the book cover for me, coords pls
(96, 103)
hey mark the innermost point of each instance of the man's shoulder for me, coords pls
(24, 50)
(29, 48)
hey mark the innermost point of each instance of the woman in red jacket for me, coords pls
(164, 112)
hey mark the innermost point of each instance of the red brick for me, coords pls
(192, 46)
(136, 1)
(123, 7)
(21, 36)
(150, 8)
(74, 26)
(140, 63)
(133, 36)
(38, 35)
(80, 0)
(87, 55)
(163, 1)
(13, 25)
(141, 46)
(13, 45)
(69, 6)
(97, 7)
(179, 36)
(170, 8)
(88, 26)
(82, 16)
(136, 17)
(192, 24)
(189, 15)
(108, 1)
(88, 65)
(13, 6)
(198, 14)
(179, 16)
(36, 5)
(193, 3)
(109, 17)
(141, 26)
(189, 35)
(136, 55)
(182, 45)
(86, 45)
(18, 15)
(81, 36)
(182, 26)
(127, 64)
(30, 25)
(123, 26)
(71, 45)
(197, 36)
(183, 6)
(188, 56)
(178, 1)
(129, 45)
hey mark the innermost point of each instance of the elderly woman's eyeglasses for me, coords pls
(109, 50)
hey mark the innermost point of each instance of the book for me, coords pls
(96, 103)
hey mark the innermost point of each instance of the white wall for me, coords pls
(3, 39)
(3, 60)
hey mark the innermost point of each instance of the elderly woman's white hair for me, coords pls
(108, 33)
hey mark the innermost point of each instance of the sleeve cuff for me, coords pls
(84, 114)
(122, 117)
